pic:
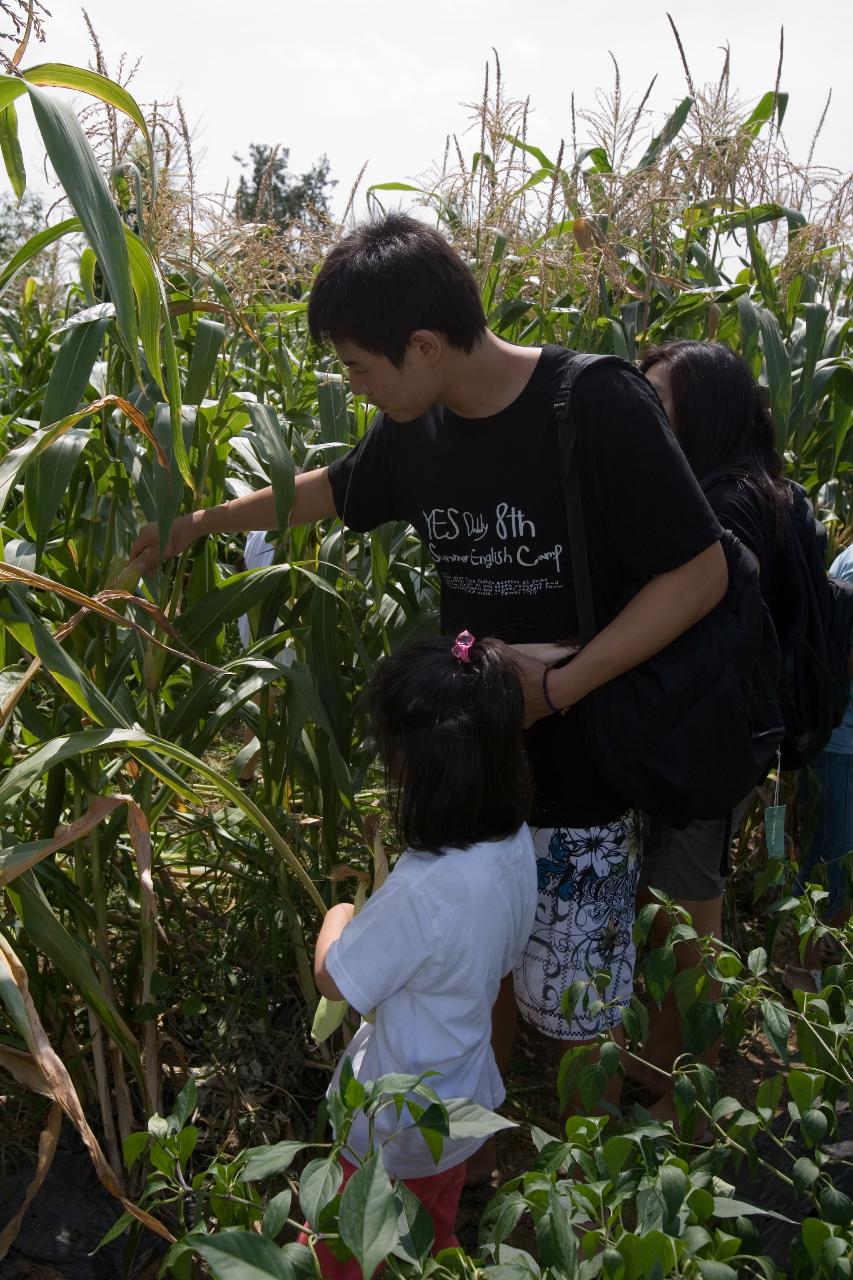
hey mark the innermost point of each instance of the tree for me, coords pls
(269, 193)
(19, 221)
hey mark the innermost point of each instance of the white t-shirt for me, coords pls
(428, 953)
(258, 554)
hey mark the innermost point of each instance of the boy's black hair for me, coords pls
(450, 735)
(720, 419)
(388, 278)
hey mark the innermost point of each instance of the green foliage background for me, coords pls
(177, 372)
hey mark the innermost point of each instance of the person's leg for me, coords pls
(611, 1092)
(822, 860)
(504, 1022)
(258, 553)
(665, 1040)
(666, 1032)
(481, 1165)
(687, 865)
(583, 927)
(439, 1194)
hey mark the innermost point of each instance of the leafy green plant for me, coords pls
(170, 376)
(373, 1219)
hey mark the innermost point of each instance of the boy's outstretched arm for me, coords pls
(334, 923)
(660, 611)
(313, 501)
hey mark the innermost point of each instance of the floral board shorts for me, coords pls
(583, 925)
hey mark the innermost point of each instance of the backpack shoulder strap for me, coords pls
(719, 474)
(575, 366)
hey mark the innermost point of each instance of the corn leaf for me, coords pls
(238, 594)
(166, 485)
(18, 459)
(46, 483)
(778, 371)
(10, 147)
(16, 859)
(530, 150)
(763, 112)
(11, 87)
(51, 937)
(86, 189)
(748, 323)
(48, 1143)
(670, 130)
(762, 269)
(150, 291)
(209, 337)
(331, 402)
(815, 315)
(72, 369)
(33, 636)
(197, 709)
(61, 76)
(281, 469)
(34, 246)
(146, 290)
(57, 1079)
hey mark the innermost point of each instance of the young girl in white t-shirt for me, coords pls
(428, 951)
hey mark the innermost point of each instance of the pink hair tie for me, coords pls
(462, 646)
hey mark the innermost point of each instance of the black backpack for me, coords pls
(814, 637)
(688, 733)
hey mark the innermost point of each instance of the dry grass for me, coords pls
(582, 220)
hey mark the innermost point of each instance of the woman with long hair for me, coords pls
(718, 416)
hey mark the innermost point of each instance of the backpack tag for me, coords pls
(774, 830)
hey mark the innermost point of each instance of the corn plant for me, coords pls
(176, 373)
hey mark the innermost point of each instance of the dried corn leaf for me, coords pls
(48, 1142)
(62, 1090)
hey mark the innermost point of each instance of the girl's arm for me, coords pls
(335, 922)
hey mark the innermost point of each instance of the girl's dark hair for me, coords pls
(388, 278)
(450, 735)
(719, 416)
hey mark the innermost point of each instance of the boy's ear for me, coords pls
(427, 345)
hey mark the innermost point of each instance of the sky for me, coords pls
(385, 81)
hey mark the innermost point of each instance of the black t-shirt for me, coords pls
(740, 508)
(485, 496)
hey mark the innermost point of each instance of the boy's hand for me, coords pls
(146, 548)
(530, 673)
(547, 653)
(531, 662)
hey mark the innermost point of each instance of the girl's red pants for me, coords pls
(439, 1194)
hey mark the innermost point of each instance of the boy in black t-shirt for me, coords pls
(464, 448)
